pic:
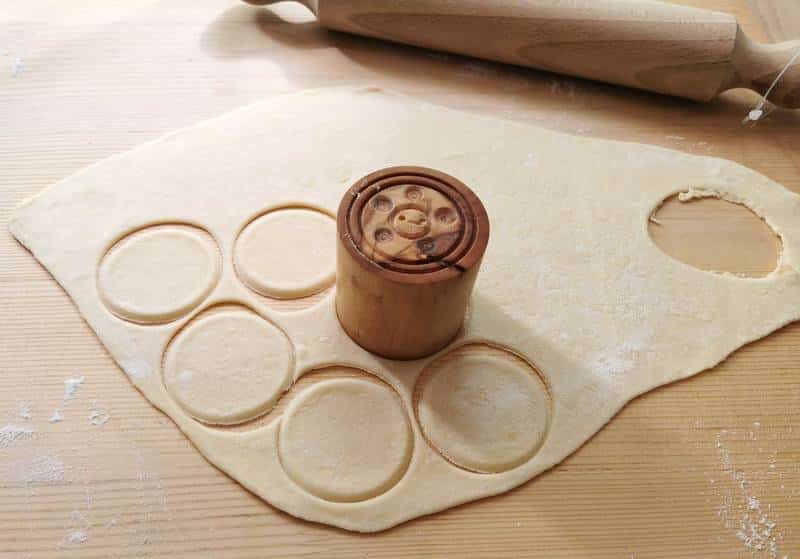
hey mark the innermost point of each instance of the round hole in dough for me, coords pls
(228, 366)
(485, 413)
(345, 440)
(158, 274)
(287, 253)
(674, 228)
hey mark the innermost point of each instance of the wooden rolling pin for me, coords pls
(671, 49)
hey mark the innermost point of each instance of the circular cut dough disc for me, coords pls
(345, 439)
(484, 413)
(228, 367)
(287, 254)
(158, 275)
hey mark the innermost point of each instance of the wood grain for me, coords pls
(661, 47)
(781, 19)
(663, 480)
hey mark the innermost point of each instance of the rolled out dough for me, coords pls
(571, 285)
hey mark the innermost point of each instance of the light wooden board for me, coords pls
(674, 475)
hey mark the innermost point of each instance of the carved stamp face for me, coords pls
(410, 224)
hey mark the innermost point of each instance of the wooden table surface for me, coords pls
(709, 467)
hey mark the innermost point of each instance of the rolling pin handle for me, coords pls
(758, 65)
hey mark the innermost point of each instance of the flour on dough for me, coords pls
(582, 310)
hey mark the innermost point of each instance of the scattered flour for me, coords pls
(78, 533)
(71, 386)
(611, 365)
(24, 411)
(622, 358)
(98, 416)
(752, 521)
(56, 417)
(45, 469)
(16, 65)
(76, 537)
(12, 433)
(135, 368)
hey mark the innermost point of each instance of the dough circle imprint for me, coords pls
(484, 412)
(228, 366)
(345, 440)
(159, 273)
(266, 253)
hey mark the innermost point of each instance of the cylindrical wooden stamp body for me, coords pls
(410, 242)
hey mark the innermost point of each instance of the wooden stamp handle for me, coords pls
(646, 44)
(410, 243)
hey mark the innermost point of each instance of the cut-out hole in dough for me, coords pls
(228, 365)
(287, 253)
(158, 273)
(345, 440)
(483, 408)
(715, 235)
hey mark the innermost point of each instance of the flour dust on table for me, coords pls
(171, 252)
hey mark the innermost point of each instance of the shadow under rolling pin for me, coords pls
(676, 50)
